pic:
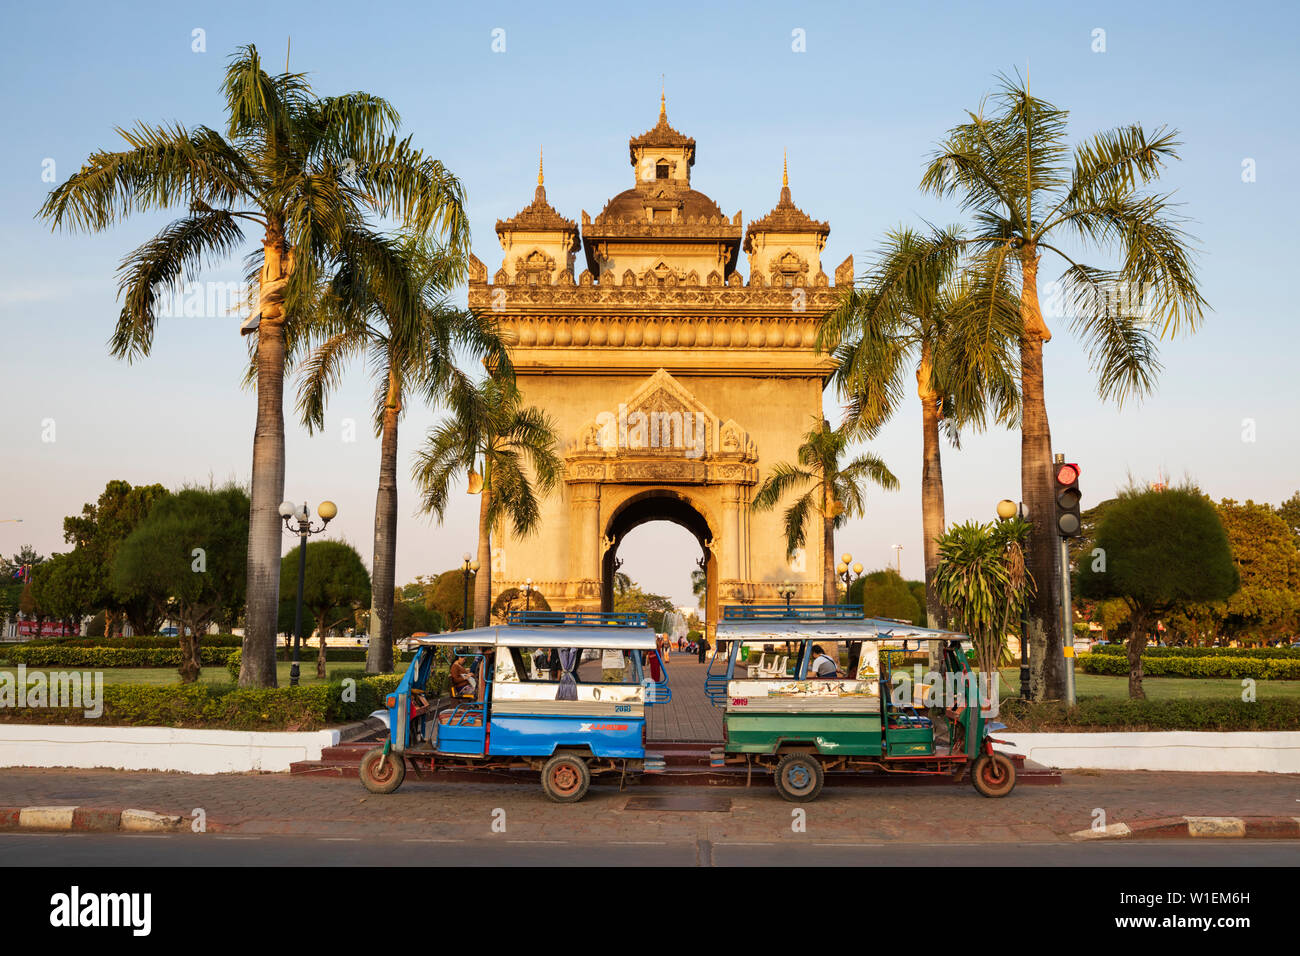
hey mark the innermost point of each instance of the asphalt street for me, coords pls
(186, 849)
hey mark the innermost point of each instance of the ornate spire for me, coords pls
(540, 180)
(786, 217)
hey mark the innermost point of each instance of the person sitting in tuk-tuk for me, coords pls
(822, 667)
(462, 682)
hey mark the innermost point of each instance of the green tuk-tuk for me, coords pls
(814, 688)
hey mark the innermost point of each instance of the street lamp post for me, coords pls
(1008, 509)
(528, 594)
(467, 567)
(291, 515)
(786, 590)
(844, 568)
(898, 549)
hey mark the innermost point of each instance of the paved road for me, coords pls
(85, 849)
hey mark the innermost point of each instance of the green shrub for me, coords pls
(1259, 652)
(234, 662)
(1201, 667)
(100, 657)
(1110, 714)
(223, 706)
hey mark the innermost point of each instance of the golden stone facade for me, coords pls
(675, 383)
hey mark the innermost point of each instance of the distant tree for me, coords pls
(336, 586)
(14, 575)
(1267, 604)
(68, 587)
(1289, 511)
(447, 595)
(1158, 549)
(99, 531)
(633, 600)
(410, 617)
(189, 556)
(699, 586)
(885, 594)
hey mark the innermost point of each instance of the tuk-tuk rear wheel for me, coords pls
(799, 777)
(382, 773)
(994, 775)
(566, 778)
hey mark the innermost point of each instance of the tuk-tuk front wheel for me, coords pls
(799, 777)
(382, 773)
(994, 775)
(566, 778)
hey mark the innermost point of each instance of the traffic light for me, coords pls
(1068, 521)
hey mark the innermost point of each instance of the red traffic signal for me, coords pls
(1069, 521)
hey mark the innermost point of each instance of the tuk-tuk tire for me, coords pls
(566, 778)
(803, 766)
(994, 775)
(380, 774)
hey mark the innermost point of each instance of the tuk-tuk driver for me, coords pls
(461, 684)
(822, 667)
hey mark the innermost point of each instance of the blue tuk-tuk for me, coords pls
(561, 693)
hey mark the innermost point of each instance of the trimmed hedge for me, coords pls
(223, 706)
(1263, 653)
(1211, 666)
(156, 641)
(1107, 714)
(98, 657)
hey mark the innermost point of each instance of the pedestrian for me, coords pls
(703, 648)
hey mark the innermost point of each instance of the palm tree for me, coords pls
(488, 424)
(403, 356)
(914, 312)
(834, 491)
(1028, 195)
(307, 172)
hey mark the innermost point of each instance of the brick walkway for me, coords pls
(690, 716)
(340, 808)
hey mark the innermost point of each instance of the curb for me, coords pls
(86, 819)
(1181, 828)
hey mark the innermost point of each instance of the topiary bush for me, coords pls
(1260, 668)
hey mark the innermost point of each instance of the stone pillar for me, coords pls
(584, 545)
(730, 547)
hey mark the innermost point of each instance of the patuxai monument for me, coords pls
(675, 380)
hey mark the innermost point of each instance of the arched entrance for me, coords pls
(661, 504)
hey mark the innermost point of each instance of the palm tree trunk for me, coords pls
(321, 628)
(1135, 645)
(1046, 651)
(932, 518)
(830, 591)
(483, 580)
(264, 526)
(379, 656)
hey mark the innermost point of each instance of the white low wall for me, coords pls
(158, 748)
(1238, 751)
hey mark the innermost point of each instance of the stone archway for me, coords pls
(661, 504)
(669, 375)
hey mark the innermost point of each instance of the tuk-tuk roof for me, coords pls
(859, 629)
(568, 635)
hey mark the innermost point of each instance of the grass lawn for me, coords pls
(1162, 688)
(209, 675)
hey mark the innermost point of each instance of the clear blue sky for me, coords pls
(858, 112)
